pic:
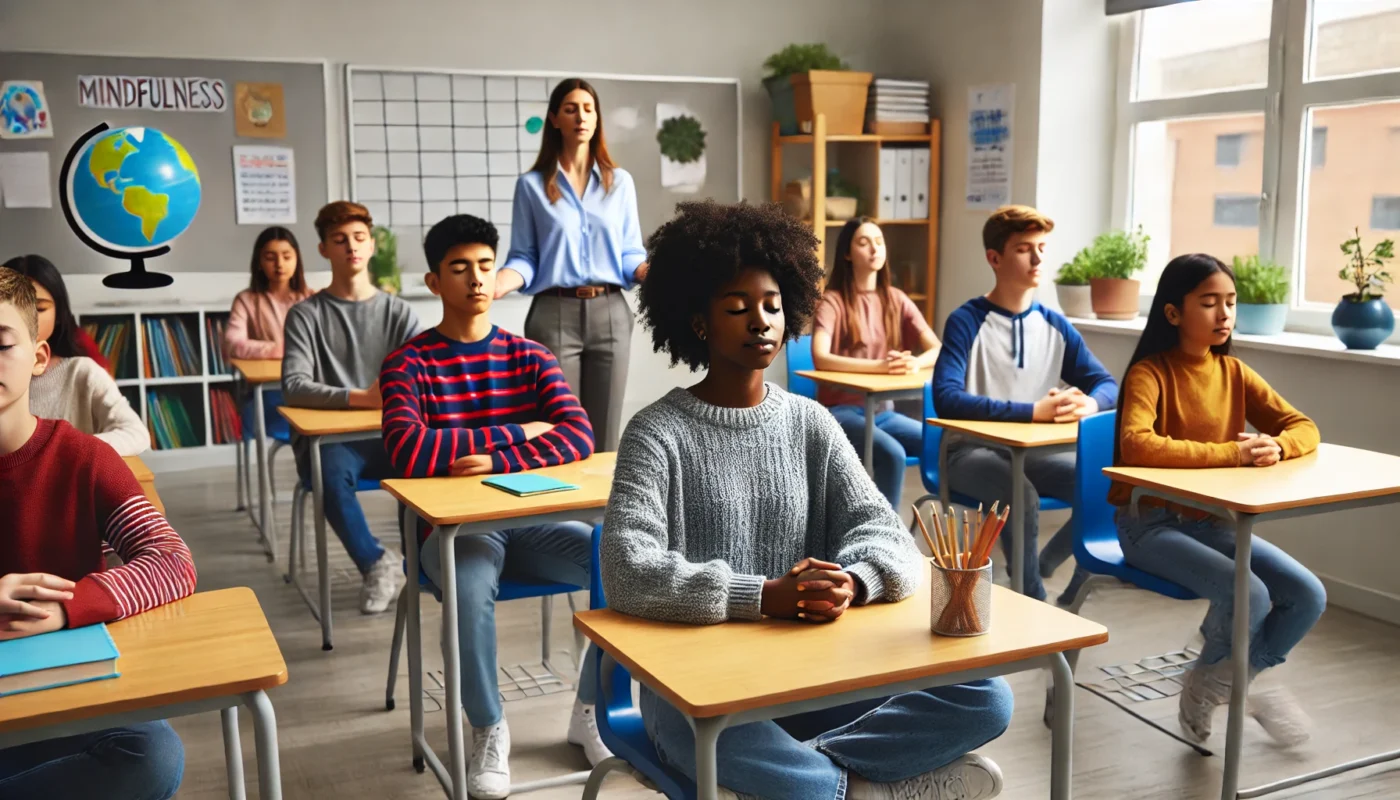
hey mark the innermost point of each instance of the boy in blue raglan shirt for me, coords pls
(1006, 357)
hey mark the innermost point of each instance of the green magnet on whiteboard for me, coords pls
(534, 125)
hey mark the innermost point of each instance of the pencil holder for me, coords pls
(960, 600)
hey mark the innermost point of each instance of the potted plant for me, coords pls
(1261, 288)
(842, 197)
(1362, 319)
(808, 79)
(1072, 287)
(384, 264)
(1114, 258)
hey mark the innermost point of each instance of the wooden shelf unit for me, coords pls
(863, 150)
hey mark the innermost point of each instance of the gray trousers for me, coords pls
(593, 341)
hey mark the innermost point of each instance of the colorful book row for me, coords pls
(168, 420)
(115, 340)
(214, 333)
(223, 414)
(170, 350)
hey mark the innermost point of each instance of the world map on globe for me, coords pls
(134, 189)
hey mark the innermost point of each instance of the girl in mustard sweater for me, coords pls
(1184, 403)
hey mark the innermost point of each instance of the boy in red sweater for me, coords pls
(64, 494)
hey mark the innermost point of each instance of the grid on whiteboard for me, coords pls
(429, 145)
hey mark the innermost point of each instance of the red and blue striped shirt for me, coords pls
(445, 399)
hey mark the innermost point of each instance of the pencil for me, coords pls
(932, 548)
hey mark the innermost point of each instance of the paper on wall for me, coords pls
(264, 185)
(24, 111)
(24, 180)
(989, 145)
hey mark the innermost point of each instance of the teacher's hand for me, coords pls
(507, 281)
(641, 273)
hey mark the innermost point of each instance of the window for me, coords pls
(1385, 213)
(1229, 148)
(1203, 47)
(1237, 211)
(1354, 37)
(1319, 148)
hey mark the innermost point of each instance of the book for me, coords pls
(58, 658)
(526, 485)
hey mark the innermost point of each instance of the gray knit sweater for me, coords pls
(708, 502)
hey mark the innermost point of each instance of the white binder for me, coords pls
(918, 204)
(887, 183)
(903, 183)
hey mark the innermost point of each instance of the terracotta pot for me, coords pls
(838, 94)
(1114, 298)
(1075, 301)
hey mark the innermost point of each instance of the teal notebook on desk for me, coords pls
(59, 658)
(524, 484)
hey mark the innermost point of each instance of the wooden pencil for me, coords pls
(932, 548)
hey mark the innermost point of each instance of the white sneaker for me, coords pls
(1206, 688)
(583, 731)
(1278, 713)
(488, 773)
(382, 584)
(971, 777)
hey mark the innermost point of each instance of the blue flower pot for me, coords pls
(784, 99)
(1362, 326)
(1261, 319)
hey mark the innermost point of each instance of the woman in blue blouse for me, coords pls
(575, 245)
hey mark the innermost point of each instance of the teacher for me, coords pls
(575, 245)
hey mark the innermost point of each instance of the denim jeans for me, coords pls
(342, 466)
(984, 474)
(807, 756)
(896, 436)
(275, 424)
(1285, 599)
(559, 553)
(139, 762)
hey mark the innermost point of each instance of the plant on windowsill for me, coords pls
(1362, 319)
(1261, 289)
(1114, 258)
(1072, 287)
(808, 79)
(384, 264)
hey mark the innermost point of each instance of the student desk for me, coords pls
(462, 507)
(325, 426)
(1016, 437)
(724, 675)
(1334, 478)
(877, 387)
(211, 650)
(146, 478)
(258, 373)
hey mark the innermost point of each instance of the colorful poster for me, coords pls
(152, 93)
(259, 111)
(682, 141)
(24, 112)
(989, 145)
(265, 185)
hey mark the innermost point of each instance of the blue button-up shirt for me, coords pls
(575, 242)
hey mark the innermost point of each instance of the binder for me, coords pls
(918, 204)
(887, 181)
(903, 183)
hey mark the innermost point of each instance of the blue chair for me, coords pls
(799, 357)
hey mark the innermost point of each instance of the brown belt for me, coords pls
(584, 292)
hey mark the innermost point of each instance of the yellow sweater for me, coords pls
(1177, 410)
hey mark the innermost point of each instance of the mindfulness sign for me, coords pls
(152, 94)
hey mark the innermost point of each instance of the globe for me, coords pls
(134, 189)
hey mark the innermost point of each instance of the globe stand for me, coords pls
(137, 277)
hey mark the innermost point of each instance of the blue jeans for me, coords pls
(276, 425)
(342, 465)
(139, 762)
(807, 756)
(896, 436)
(558, 553)
(1285, 599)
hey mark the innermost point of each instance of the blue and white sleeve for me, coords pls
(950, 396)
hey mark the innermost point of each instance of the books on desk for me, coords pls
(59, 658)
(526, 485)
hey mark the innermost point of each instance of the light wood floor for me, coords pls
(338, 741)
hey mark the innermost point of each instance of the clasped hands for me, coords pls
(813, 591)
(32, 603)
(1064, 405)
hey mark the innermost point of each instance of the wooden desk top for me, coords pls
(211, 644)
(258, 370)
(455, 501)
(139, 469)
(1333, 474)
(1013, 434)
(870, 381)
(709, 670)
(327, 422)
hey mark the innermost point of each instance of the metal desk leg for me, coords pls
(1018, 520)
(240, 474)
(265, 734)
(415, 638)
(706, 760)
(233, 753)
(323, 567)
(1062, 729)
(265, 520)
(868, 453)
(1239, 652)
(452, 663)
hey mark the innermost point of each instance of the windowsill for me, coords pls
(1294, 342)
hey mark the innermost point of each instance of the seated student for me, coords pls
(1005, 357)
(65, 495)
(1185, 404)
(731, 494)
(866, 325)
(467, 398)
(259, 312)
(74, 388)
(336, 341)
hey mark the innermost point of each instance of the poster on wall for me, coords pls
(264, 185)
(989, 145)
(259, 111)
(682, 141)
(152, 93)
(24, 111)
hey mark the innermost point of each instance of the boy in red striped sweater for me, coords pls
(64, 494)
(467, 398)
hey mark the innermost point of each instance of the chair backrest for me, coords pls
(933, 437)
(1093, 515)
(799, 356)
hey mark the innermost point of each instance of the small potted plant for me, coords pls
(1261, 289)
(842, 197)
(808, 79)
(1362, 319)
(384, 264)
(1114, 258)
(1072, 287)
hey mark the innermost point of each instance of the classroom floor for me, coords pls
(338, 741)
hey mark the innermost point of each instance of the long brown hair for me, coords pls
(259, 282)
(843, 281)
(552, 142)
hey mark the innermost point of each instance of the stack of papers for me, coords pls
(898, 101)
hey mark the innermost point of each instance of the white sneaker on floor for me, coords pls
(1278, 713)
(583, 731)
(488, 772)
(971, 777)
(382, 584)
(1207, 687)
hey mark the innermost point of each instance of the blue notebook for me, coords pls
(526, 485)
(60, 658)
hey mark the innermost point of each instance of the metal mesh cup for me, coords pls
(960, 600)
